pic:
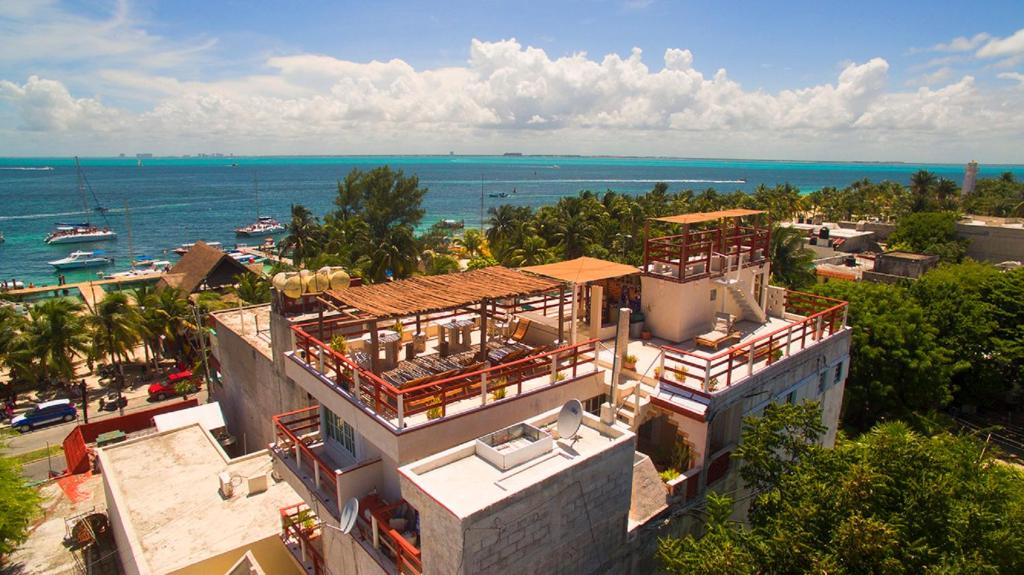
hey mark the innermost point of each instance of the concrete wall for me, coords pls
(573, 522)
(343, 554)
(679, 311)
(908, 267)
(253, 391)
(993, 243)
(129, 566)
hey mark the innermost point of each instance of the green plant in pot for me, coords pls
(629, 362)
(499, 391)
(339, 344)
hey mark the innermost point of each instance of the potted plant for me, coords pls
(500, 391)
(629, 362)
(339, 344)
(680, 374)
(669, 474)
(713, 384)
(645, 334)
(434, 412)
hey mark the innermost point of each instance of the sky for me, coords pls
(868, 81)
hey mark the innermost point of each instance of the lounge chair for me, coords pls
(721, 332)
(522, 326)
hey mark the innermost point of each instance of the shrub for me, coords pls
(669, 474)
(339, 344)
(434, 412)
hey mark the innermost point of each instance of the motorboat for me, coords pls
(80, 259)
(149, 268)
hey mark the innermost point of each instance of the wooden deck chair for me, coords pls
(521, 328)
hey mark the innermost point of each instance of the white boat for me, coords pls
(79, 233)
(83, 232)
(246, 258)
(11, 284)
(80, 259)
(152, 267)
(264, 226)
(184, 248)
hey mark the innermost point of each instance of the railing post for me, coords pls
(358, 386)
(661, 366)
(401, 410)
(298, 462)
(554, 367)
(789, 338)
(707, 374)
(316, 474)
(320, 359)
(817, 329)
(750, 359)
(375, 529)
(337, 491)
(483, 388)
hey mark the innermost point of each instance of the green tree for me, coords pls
(21, 504)
(725, 548)
(117, 328)
(898, 365)
(56, 334)
(472, 242)
(481, 262)
(889, 501)
(304, 231)
(534, 251)
(922, 186)
(792, 263)
(442, 264)
(774, 443)
(930, 233)
(252, 288)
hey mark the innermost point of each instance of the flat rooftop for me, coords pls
(834, 230)
(166, 489)
(465, 482)
(909, 256)
(251, 323)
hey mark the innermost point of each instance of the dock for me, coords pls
(91, 291)
(265, 254)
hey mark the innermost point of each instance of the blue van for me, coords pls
(45, 413)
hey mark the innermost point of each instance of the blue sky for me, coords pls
(866, 80)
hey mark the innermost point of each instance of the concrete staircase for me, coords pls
(629, 409)
(743, 298)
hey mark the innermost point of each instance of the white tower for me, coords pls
(970, 175)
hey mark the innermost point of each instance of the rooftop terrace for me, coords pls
(251, 323)
(166, 488)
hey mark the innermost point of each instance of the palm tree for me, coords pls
(117, 326)
(55, 334)
(946, 192)
(532, 251)
(574, 230)
(175, 316)
(304, 235)
(397, 254)
(921, 184)
(792, 264)
(151, 319)
(472, 243)
(15, 353)
(251, 288)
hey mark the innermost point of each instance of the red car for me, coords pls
(161, 390)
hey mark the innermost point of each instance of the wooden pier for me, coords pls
(91, 291)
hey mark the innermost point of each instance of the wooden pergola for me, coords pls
(474, 291)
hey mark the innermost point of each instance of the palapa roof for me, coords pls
(427, 294)
(582, 270)
(199, 263)
(698, 217)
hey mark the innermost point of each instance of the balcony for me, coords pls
(391, 529)
(802, 320)
(300, 532)
(445, 389)
(300, 448)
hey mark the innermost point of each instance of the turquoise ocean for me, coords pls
(171, 201)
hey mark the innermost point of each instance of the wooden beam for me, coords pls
(375, 348)
(483, 331)
(561, 314)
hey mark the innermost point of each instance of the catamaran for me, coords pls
(264, 225)
(85, 231)
(80, 259)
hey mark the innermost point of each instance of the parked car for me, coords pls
(161, 390)
(45, 413)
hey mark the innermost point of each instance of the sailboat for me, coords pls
(85, 231)
(264, 225)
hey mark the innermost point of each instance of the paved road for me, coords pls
(55, 434)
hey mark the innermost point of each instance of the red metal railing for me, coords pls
(295, 431)
(697, 249)
(299, 525)
(377, 529)
(703, 374)
(434, 397)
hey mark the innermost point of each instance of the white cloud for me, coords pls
(962, 43)
(1014, 76)
(505, 96)
(1009, 46)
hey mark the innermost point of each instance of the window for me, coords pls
(714, 294)
(791, 397)
(593, 405)
(839, 373)
(340, 431)
(822, 381)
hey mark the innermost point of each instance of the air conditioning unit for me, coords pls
(258, 484)
(226, 487)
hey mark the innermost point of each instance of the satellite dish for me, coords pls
(349, 514)
(570, 418)
(293, 287)
(339, 278)
(278, 281)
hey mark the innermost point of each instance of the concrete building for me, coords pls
(892, 267)
(827, 236)
(178, 505)
(406, 379)
(970, 178)
(992, 239)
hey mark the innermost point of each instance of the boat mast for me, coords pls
(128, 222)
(481, 202)
(81, 188)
